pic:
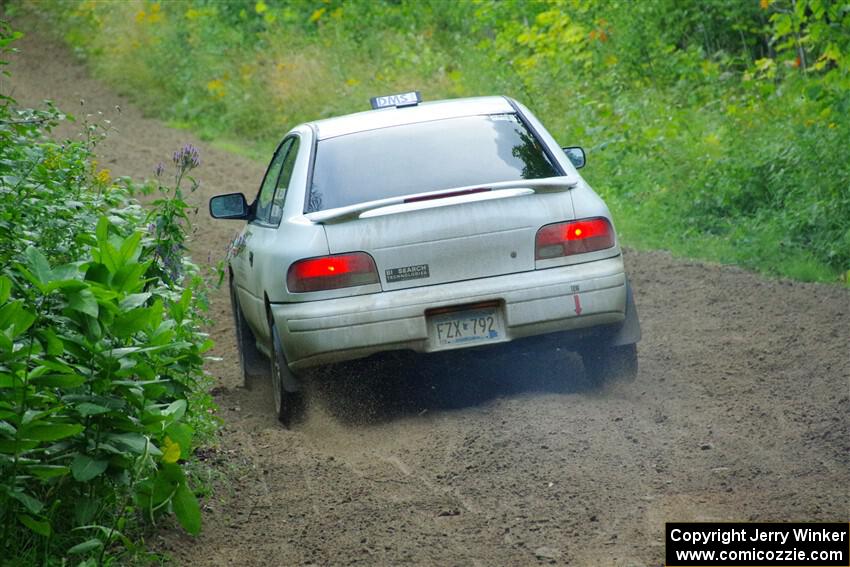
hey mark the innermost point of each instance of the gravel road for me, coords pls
(741, 411)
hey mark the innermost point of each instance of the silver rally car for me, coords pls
(425, 227)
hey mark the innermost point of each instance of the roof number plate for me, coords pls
(396, 100)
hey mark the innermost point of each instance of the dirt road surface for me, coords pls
(741, 412)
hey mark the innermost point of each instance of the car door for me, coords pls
(264, 231)
(244, 263)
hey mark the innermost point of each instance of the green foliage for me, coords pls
(100, 350)
(706, 121)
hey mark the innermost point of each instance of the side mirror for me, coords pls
(576, 155)
(231, 206)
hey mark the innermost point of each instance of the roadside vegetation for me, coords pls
(101, 348)
(715, 128)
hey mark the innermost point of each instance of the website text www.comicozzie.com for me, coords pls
(754, 554)
(759, 544)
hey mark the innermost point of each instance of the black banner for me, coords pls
(757, 544)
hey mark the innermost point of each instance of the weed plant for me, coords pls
(101, 349)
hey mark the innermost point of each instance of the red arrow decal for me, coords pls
(578, 304)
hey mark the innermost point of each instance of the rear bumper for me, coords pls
(534, 303)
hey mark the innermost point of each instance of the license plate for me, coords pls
(464, 328)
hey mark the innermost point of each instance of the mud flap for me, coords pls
(288, 381)
(629, 331)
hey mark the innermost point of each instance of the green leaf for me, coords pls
(134, 442)
(38, 265)
(187, 510)
(41, 527)
(102, 230)
(181, 434)
(6, 344)
(58, 380)
(110, 257)
(85, 468)
(50, 431)
(14, 316)
(85, 509)
(130, 278)
(8, 380)
(134, 300)
(7, 428)
(175, 410)
(131, 322)
(54, 345)
(86, 546)
(93, 329)
(130, 249)
(86, 409)
(30, 503)
(10, 447)
(5, 288)
(161, 490)
(83, 300)
(47, 471)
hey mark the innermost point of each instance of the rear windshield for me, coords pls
(426, 156)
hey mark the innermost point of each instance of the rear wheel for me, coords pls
(251, 360)
(289, 402)
(605, 363)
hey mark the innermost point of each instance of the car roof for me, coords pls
(423, 112)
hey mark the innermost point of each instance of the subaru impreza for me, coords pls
(424, 226)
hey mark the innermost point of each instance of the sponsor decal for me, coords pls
(419, 271)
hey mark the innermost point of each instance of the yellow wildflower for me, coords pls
(103, 177)
(155, 14)
(764, 4)
(216, 88)
(317, 15)
(171, 454)
(140, 16)
(52, 160)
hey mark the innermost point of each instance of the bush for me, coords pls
(101, 350)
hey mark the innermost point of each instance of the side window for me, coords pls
(264, 199)
(283, 182)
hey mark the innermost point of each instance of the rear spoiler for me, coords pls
(526, 186)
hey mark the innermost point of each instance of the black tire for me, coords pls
(610, 363)
(252, 362)
(289, 403)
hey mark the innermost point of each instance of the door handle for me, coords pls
(251, 259)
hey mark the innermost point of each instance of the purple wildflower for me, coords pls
(187, 157)
(159, 169)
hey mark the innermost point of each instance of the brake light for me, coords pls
(576, 237)
(332, 272)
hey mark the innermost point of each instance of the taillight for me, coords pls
(576, 237)
(332, 272)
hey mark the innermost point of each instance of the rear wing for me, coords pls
(485, 191)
